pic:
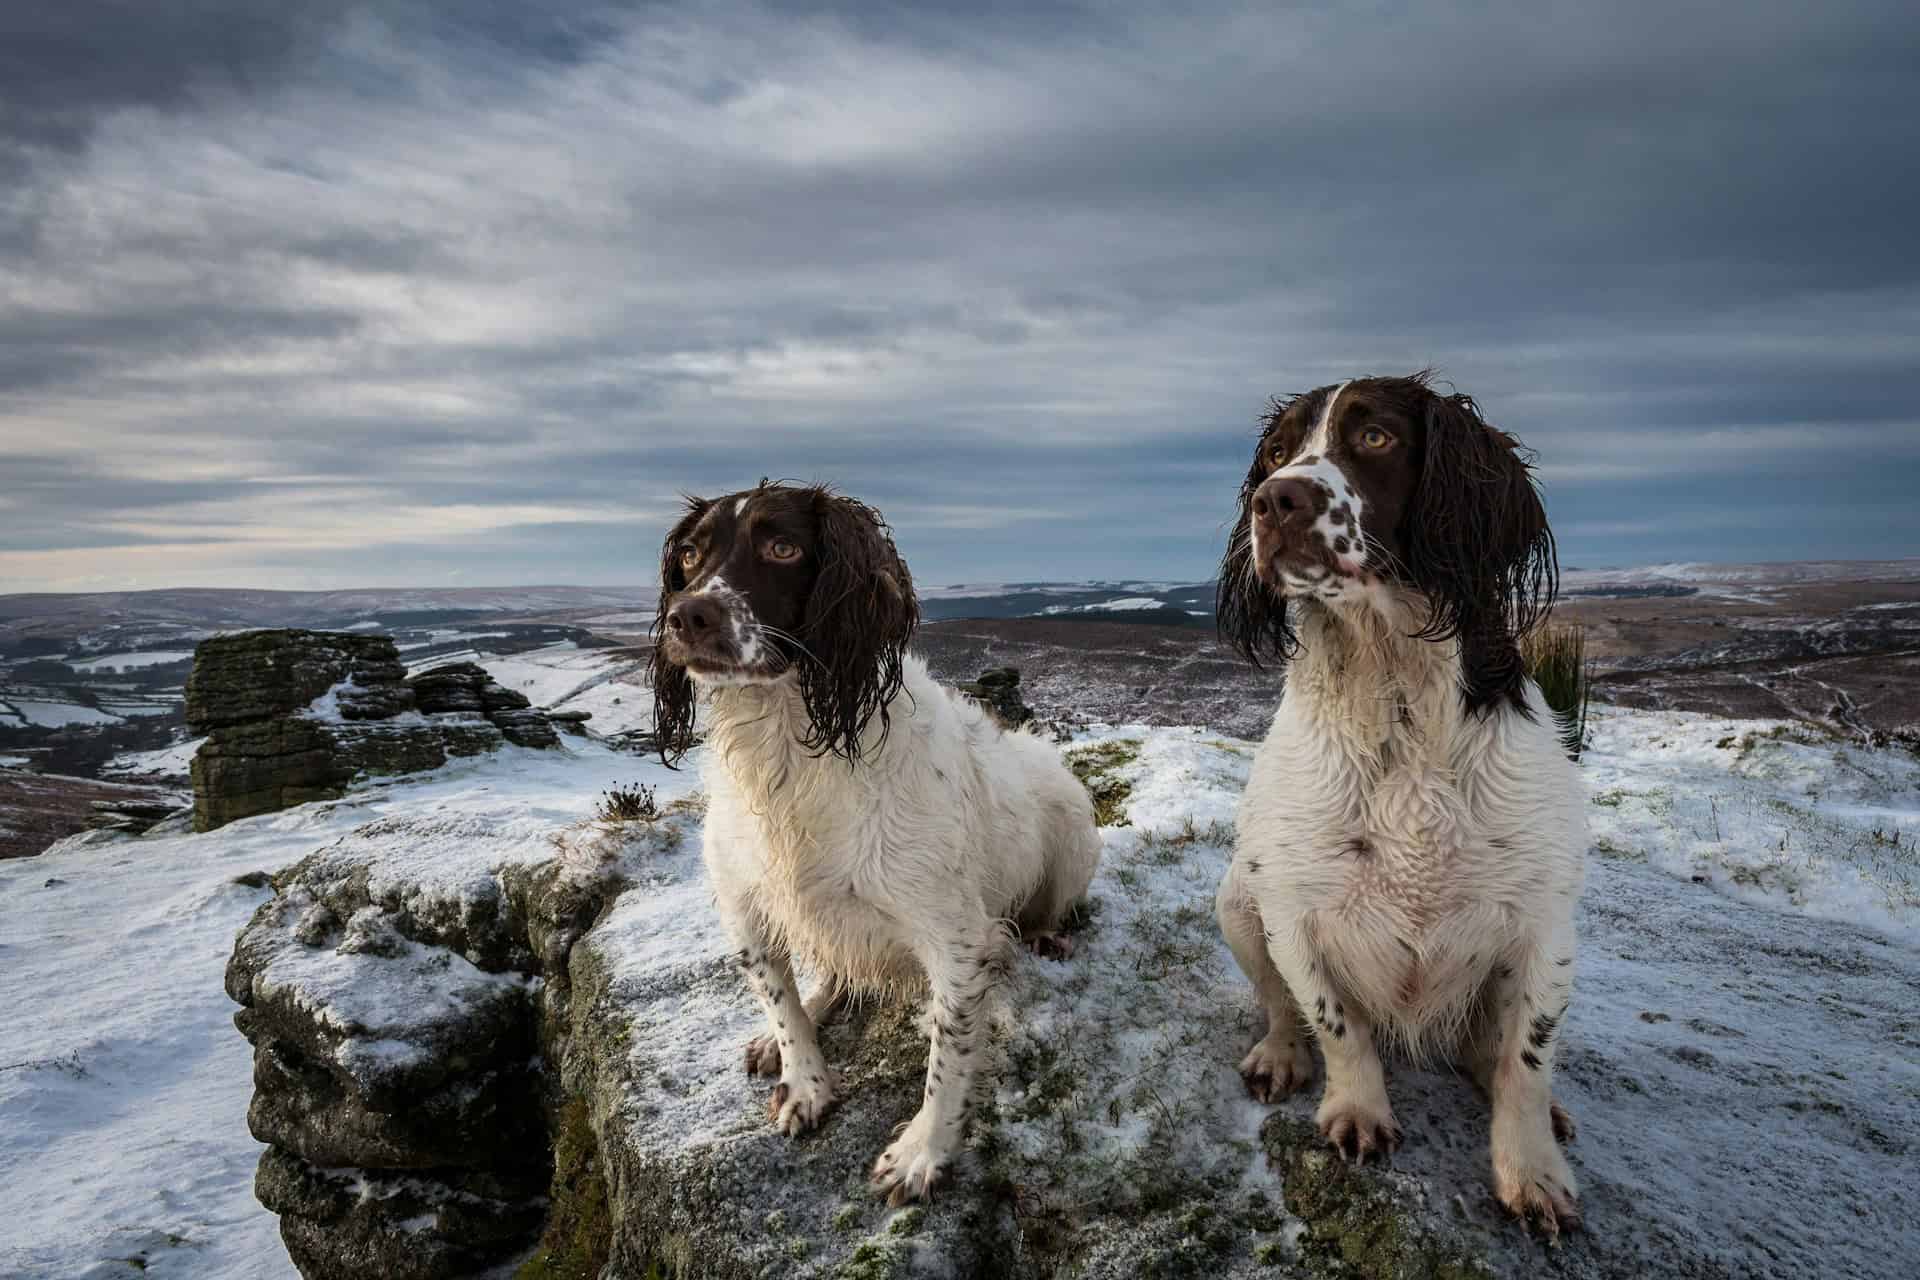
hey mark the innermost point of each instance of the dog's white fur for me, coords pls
(917, 861)
(1407, 871)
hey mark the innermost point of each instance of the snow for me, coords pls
(52, 715)
(986, 590)
(173, 761)
(1768, 812)
(124, 1086)
(142, 707)
(1105, 606)
(130, 661)
(13, 762)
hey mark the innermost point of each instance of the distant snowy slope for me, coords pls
(1780, 573)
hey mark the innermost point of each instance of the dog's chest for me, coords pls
(809, 873)
(1373, 819)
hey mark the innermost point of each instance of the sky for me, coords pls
(393, 293)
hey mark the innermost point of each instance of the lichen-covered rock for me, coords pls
(424, 1225)
(392, 991)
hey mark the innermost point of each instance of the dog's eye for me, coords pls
(689, 557)
(1375, 438)
(782, 550)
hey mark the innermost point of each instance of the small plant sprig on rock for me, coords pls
(628, 804)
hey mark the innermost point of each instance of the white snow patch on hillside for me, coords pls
(52, 715)
(1106, 606)
(173, 761)
(130, 661)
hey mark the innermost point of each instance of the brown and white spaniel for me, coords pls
(1411, 839)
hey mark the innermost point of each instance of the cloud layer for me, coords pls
(378, 296)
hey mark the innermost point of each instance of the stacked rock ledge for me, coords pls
(292, 716)
(399, 992)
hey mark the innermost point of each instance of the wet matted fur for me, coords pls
(1410, 842)
(862, 819)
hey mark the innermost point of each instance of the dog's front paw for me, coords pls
(1358, 1127)
(1534, 1182)
(910, 1169)
(1275, 1068)
(763, 1056)
(801, 1100)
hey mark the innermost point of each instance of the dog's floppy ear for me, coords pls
(1479, 547)
(1249, 615)
(859, 618)
(672, 686)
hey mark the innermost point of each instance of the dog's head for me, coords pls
(1386, 481)
(782, 583)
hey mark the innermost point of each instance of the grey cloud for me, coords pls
(1046, 262)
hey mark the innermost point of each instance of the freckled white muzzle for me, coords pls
(1306, 518)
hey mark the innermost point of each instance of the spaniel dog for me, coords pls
(862, 819)
(1411, 838)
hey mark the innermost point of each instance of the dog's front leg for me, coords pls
(805, 1091)
(961, 976)
(1355, 1115)
(1530, 993)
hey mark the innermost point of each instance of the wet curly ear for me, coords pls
(1479, 546)
(1248, 614)
(672, 687)
(859, 618)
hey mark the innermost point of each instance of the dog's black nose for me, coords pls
(691, 616)
(1283, 500)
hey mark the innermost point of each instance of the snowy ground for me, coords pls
(1742, 1052)
(175, 761)
(123, 1084)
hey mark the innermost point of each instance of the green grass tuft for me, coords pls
(1556, 658)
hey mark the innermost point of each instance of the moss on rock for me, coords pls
(1095, 766)
(1357, 1227)
(579, 1230)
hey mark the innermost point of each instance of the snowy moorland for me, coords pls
(1742, 1053)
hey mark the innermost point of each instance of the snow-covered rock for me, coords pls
(473, 1010)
